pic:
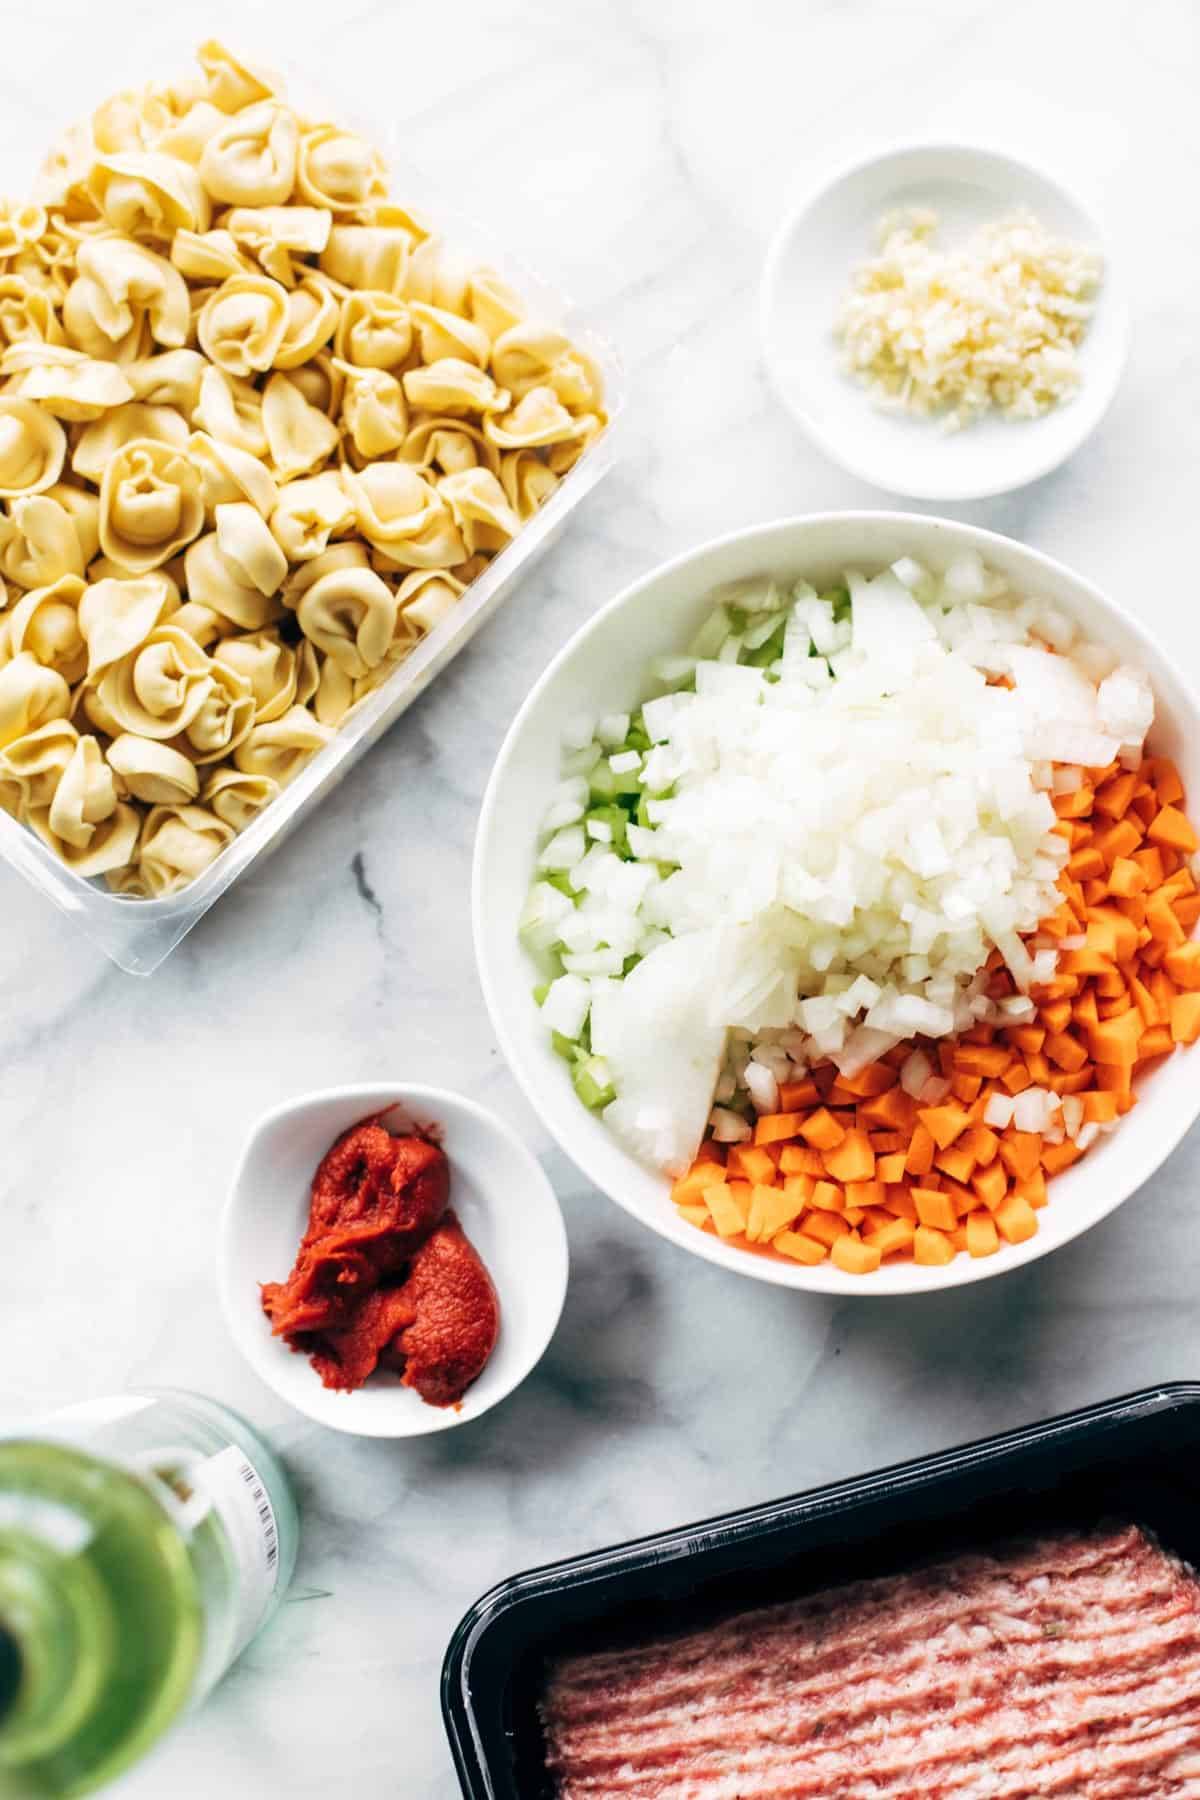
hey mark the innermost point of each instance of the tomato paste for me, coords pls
(385, 1277)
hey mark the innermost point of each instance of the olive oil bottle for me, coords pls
(144, 1540)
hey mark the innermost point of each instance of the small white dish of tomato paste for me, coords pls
(415, 1274)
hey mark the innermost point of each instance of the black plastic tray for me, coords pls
(1136, 1457)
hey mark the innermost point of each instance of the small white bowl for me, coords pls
(603, 669)
(503, 1200)
(808, 272)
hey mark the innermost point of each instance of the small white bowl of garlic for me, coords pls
(944, 321)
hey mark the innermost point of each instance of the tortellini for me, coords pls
(260, 427)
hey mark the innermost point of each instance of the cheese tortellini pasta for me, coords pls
(260, 428)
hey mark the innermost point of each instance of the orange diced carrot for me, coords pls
(1020, 1152)
(1027, 1038)
(695, 1215)
(1099, 1108)
(798, 1159)
(822, 1130)
(1066, 1051)
(1112, 1009)
(1015, 1219)
(800, 1187)
(1164, 925)
(1033, 1188)
(1113, 798)
(729, 1204)
(1183, 965)
(1165, 776)
(751, 1163)
(1055, 1015)
(1150, 861)
(855, 1257)
(990, 1185)
(1084, 1010)
(794, 1096)
(1156, 1041)
(1185, 1017)
(690, 1187)
(1073, 1083)
(894, 1108)
(864, 1193)
(900, 1202)
(955, 1162)
(1173, 830)
(776, 1128)
(1085, 864)
(851, 1160)
(932, 1248)
(1116, 1040)
(1145, 1002)
(1056, 1157)
(1039, 1069)
(1076, 805)
(935, 1208)
(1117, 840)
(944, 1123)
(919, 1157)
(982, 1236)
(771, 1209)
(981, 1143)
(897, 1234)
(982, 1059)
(1187, 910)
(890, 1168)
(965, 1088)
(870, 1082)
(826, 1196)
(1016, 1079)
(825, 1227)
(800, 1247)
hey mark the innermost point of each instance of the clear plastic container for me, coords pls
(137, 934)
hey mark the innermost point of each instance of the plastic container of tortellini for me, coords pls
(139, 934)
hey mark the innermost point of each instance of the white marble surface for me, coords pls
(639, 151)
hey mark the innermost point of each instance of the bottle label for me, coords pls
(238, 1495)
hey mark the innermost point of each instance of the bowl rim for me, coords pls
(864, 467)
(963, 1271)
(549, 1302)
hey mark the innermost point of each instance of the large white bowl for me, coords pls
(603, 669)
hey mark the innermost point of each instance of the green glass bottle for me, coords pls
(144, 1540)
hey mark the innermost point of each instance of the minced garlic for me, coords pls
(994, 323)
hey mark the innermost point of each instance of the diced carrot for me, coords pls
(1116, 1078)
(696, 1215)
(931, 1248)
(751, 1163)
(1156, 1041)
(966, 1087)
(1187, 910)
(1020, 1152)
(944, 1123)
(919, 1158)
(690, 1187)
(798, 1159)
(1145, 1002)
(852, 1160)
(1163, 923)
(1183, 965)
(1118, 840)
(1185, 1017)
(1027, 1038)
(1173, 830)
(1112, 1009)
(956, 1163)
(897, 1234)
(1076, 805)
(1181, 884)
(982, 1237)
(826, 1196)
(890, 1168)
(776, 1128)
(894, 1108)
(1033, 1188)
(864, 1193)
(1017, 1079)
(884, 1143)
(1084, 1010)
(822, 1130)
(935, 1208)
(870, 1082)
(771, 1209)
(990, 1185)
(1074, 1083)
(982, 1059)
(729, 1204)
(855, 1257)
(801, 1188)
(800, 1247)
(1039, 1068)
(826, 1227)
(1095, 891)
(900, 1202)
(1113, 798)
(1066, 1051)
(794, 1096)
(1055, 1016)
(1115, 1040)
(1015, 1219)
(1056, 1157)
(1099, 1108)
(1150, 861)
(981, 1143)
(1165, 777)
(1083, 864)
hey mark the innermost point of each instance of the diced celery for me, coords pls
(565, 1047)
(540, 992)
(593, 1083)
(603, 784)
(558, 879)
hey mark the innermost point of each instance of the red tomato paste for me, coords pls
(385, 1277)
